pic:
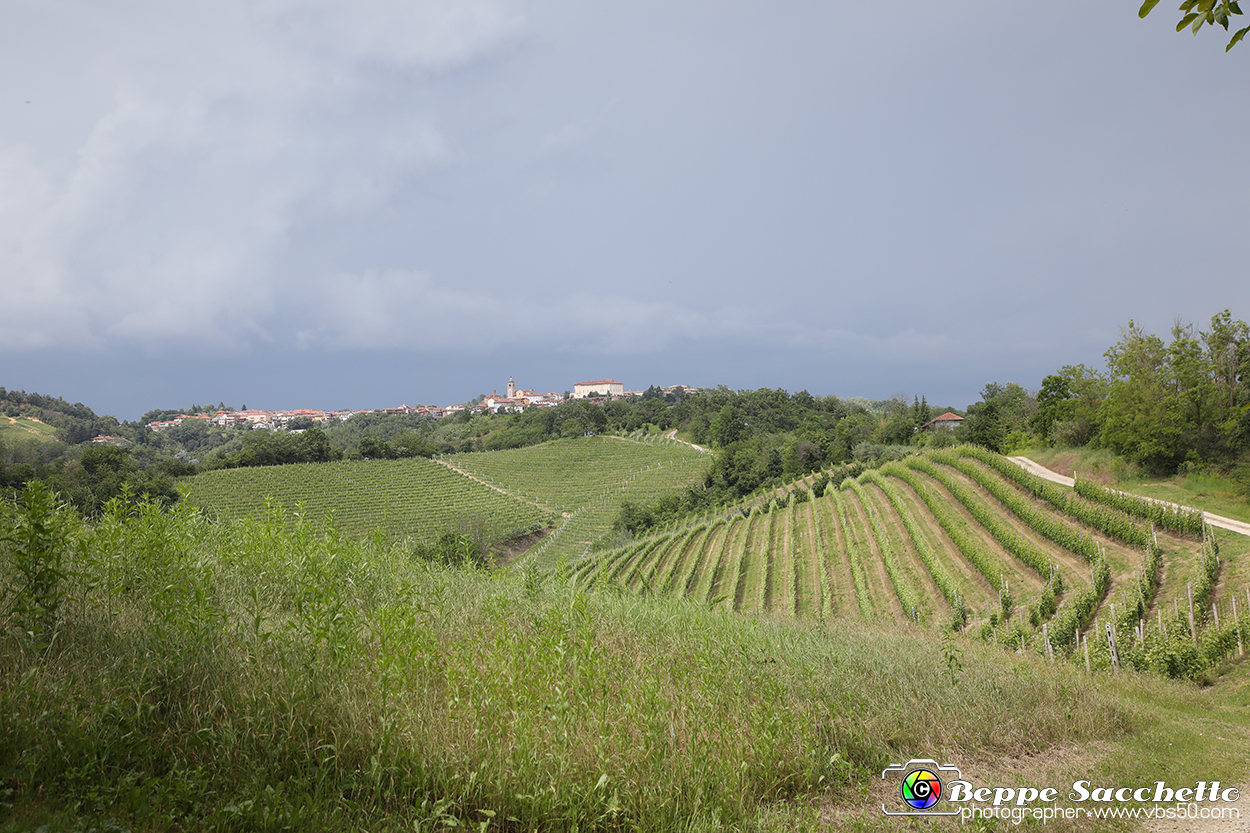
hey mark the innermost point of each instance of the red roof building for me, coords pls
(946, 422)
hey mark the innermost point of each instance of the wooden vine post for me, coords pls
(1193, 631)
(1115, 654)
(1241, 651)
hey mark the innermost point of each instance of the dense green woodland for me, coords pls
(1164, 405)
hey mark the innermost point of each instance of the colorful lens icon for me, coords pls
(922, 788)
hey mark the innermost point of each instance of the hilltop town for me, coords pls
(512, 400)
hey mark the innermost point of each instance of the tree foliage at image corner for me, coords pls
(1199, 13)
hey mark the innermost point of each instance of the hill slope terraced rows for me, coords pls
(574, 486)
(954, 538)
(586, 480)
(414, 497)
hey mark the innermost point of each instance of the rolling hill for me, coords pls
(963, 539)
(573, 486)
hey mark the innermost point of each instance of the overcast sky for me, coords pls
(306, 203)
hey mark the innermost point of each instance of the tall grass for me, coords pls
(273, 674)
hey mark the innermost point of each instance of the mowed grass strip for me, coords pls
(640, 565)
(779, 586)
(810, 582)
(941, 579)
(1071, 566)
(724, 589)
(835, 552)
(699, 584)
(749, 589)
(905, 591)
(691, 555)
(671, 560)
(973, 589)
(855, 551)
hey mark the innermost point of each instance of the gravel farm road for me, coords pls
(1041, 471)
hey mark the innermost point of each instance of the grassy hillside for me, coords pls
(575, 486)
(959, 539)
(270, 675)
(586, 480)
(414, 497)
(20, 428)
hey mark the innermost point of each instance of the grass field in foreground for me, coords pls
(267, 675)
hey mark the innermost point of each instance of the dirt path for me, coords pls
(672, 435)
(1220, 521)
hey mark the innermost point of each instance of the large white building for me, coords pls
(600, 387)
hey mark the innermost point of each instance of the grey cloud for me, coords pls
(411, 311)
(759, 191)
(172, 221)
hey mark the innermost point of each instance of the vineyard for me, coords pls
(413, 497)
(950, 539)
(573, 486)
(963, 539)
(586, 480)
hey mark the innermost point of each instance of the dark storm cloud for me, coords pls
(808, 196)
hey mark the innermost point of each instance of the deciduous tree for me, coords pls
(1198, 13)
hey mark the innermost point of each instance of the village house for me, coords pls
(518, 400)
(161, 425)
(946, 422)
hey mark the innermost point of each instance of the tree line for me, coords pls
(1168, 406)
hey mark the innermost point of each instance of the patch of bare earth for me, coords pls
(514, 548)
